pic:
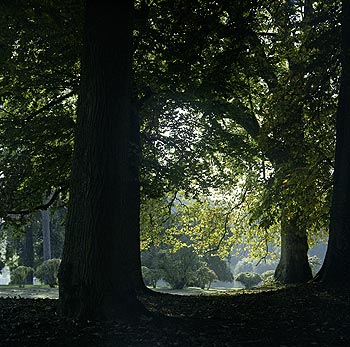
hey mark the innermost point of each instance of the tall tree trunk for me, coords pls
(100, 270)
(335, 270)
(293, 266)
(27, 253)
(286, 149)
(45, 226)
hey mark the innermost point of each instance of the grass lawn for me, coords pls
(28, 292)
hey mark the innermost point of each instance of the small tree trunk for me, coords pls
(45, 225)
(293, 266)
(27, 254)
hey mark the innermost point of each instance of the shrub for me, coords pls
(19, 274)
(249, 279)
(268, 277)
(47, 272)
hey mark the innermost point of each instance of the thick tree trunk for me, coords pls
(27, 253)
(293, 266)
(45, 226)
(335, 270)
(100, 271)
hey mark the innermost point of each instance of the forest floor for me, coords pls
(288, 317)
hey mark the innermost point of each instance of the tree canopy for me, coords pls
(231, 120)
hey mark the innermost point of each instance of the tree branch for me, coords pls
(43, 206)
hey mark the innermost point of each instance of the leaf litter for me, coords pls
(306, 315)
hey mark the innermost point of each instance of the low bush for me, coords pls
(268, 277)
(248, 279)
(19, 274)
(47, 272)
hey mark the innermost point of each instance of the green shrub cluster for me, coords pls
(19, 275)
(268, 277)
(248, 279)
(47, 272)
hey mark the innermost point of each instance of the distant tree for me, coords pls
(204, 276)
(220, 267)
(315, 264)
(179, 268)
(151, 276)
(46, 230)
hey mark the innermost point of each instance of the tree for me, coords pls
(335, 270)
(271, 93)
(100, 270)
(151, 276)
(205, 276)
(179, 268)
(45, 225)
(39, 52)
(27, 254)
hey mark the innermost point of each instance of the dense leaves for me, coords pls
(39, 78)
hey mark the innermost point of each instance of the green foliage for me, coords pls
(179, 268)
(221, 267)
(39, 80)
(239, 96)
(268, 277)
(315, 264)
(213, 226)
(182, 267)
(151, 276)
(204, 276)
(47, 272)
(248, 279)
(19, 274)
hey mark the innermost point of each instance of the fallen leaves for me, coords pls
(298, 316)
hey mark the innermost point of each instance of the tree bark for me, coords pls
(45, 226)
(293, 266)
(100, 271)
(27, 253)
(335, 270)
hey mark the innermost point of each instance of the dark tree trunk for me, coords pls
(335, 270)
(45, 226)
(293, 266)
(100, 271)
(27, 253)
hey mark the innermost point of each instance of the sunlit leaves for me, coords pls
(219, 225)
